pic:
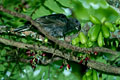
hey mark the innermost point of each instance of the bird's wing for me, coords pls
(48, 21)
(54, 24)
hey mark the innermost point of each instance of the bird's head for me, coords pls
(74, 23)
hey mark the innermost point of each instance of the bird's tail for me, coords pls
(22, 28)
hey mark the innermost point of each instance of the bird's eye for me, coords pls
(76, 21)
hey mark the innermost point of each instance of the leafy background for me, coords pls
(80, 9)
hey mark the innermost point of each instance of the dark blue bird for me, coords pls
(56, 25)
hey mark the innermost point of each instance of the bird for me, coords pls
(57, 25)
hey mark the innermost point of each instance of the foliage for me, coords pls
(104, 17)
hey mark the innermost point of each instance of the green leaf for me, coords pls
(28, 11)
(2, 58)
(84, 8)
(51, 4)
(42, 11)
(24, 40)
(8, 48)
(2, 68)
(110, 77)
(75, 41)
(82, 37)
(100, 59)
(5, 64)
(6, 36)
(3, 52)
(66, 3)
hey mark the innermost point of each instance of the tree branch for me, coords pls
(93, 64)
(60, 43)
